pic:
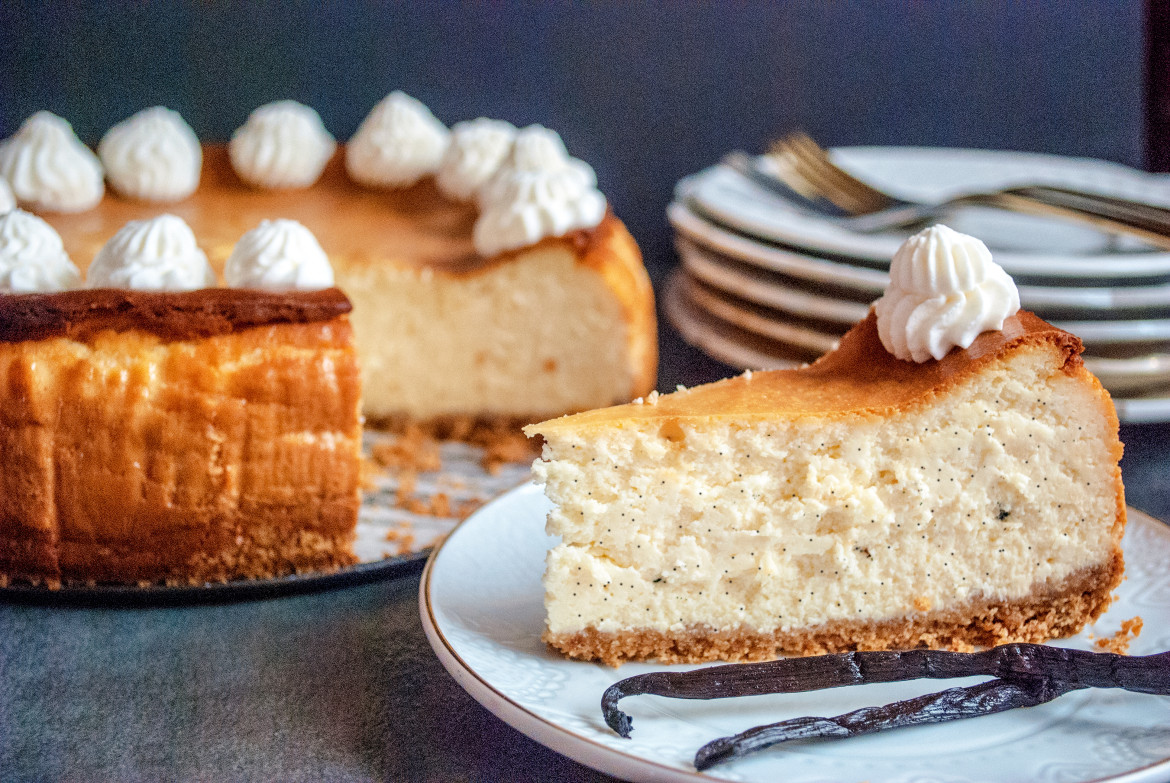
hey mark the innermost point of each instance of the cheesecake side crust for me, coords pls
(1046, 613)
(134, 459)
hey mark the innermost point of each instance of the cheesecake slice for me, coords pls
(443, 332)
(862, 502)
(176, 437)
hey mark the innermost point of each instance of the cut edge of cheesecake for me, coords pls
(410, 250)
(858, 386)
(1048, 612)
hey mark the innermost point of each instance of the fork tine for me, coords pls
(793, 166)
(816, 155)
(861, 196)
(868, 198)
(830, 187)
(792, 176)
(812, 172)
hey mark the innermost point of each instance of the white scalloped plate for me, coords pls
(1024, 245)
(481, 602)
(863, 284)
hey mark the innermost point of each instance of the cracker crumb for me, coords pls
(506, 450)
(468, 507)
(922, 603)
(1120, 641)
(502, 444)
(403, 537)
(369, 469)
(457, 428)
(437, 505)
(414, 449)
(407, 481)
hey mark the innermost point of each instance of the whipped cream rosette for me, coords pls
(152, 255)
(539, 192)
(49, 168)
(478, 148)
(32, 257)
(278, 255)
(945, 290)
(283, 145)
(153, 155)
(7, 197)
(397, 144)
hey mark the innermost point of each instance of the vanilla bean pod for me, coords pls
(986, 698)
(1017, 662)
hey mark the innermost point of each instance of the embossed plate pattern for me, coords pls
(481, 604)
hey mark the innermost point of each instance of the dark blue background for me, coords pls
(646, 93)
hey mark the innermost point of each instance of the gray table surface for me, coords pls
(338, 685)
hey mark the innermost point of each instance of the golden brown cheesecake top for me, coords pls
(860, 376)
(413, 227)
(171, 315)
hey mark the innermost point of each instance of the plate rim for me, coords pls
(449, 657)
(115, 596)
(1137, 298)
(463, 673)
(710, 237)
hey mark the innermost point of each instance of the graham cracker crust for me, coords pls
(255, 551)
(468, 428)
(1047, 613)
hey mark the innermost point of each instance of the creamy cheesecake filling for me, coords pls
(671, 524)
(541, 335)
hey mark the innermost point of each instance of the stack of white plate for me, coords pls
(764, 284)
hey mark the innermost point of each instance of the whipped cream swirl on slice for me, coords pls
(7, 197)
(539, 192)
(945, 290)
(49, 168)
(32, 257)
(282, 146)
(478, 148)
(159, 254)
(278, 255)
(397, 144)
(153, 156)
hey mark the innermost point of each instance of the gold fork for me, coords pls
(802, 167)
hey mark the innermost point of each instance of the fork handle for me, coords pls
(1084, 199)
(1151, 224)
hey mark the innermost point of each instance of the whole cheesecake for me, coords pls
(563, 325)
(158, 428)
